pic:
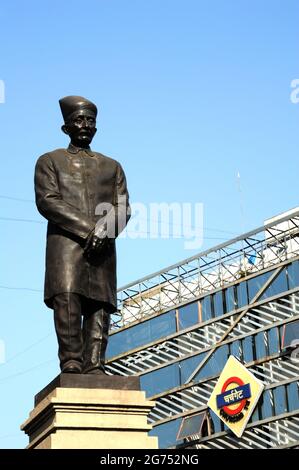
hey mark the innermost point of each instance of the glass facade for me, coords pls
(142, 334)
(258, 342)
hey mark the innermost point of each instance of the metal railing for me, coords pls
(212, 269)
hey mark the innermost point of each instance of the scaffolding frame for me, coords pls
(208, 271)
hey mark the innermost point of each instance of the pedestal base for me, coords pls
(67, 417)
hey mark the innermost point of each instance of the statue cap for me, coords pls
(71, 104)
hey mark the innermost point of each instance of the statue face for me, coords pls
(81, 128)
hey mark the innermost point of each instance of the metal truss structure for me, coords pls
(274, 371)
(202, 338)
(281, 432)
(247, 254)
(273, 247)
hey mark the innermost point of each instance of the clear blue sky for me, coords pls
(190, 92)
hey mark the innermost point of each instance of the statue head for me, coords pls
(79, 116)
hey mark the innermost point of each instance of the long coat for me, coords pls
(69, 185)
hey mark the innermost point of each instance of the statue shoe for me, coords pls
(72, 369)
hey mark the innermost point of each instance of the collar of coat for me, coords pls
(73, 149)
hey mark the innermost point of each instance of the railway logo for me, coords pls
(229, 397)
(235, 395)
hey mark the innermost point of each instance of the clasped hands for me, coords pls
(95, 244)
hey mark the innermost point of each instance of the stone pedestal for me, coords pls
(90, 412)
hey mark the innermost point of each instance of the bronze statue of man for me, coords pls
(83, 195)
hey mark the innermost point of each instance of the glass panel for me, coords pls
(290, 334)
(215, 364)
(138, 335)
(167, 433)
(293, 275)
(266, 405)
(206, 308)
(256, 283)
(142, 334)
(218, 304)
(273, 341)
(216, 422)
(235, 349)
(278, 285)
(231, 303)
(188, 316)
(293, 396)
(162, 326)
(189, 365)
(242, 294)
(248, 349)
(255, 415)
(117, 344)
(279, 400)
(160, 380)
(192, 425)
(260, 345)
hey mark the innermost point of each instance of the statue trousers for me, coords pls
(82, 327)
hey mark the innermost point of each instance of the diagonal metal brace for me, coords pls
(244, 312)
